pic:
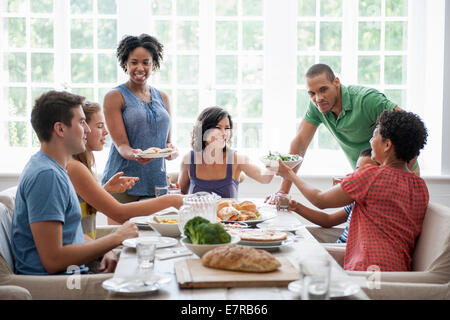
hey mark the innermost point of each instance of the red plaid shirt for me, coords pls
(390, 205)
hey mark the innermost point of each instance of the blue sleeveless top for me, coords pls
(147, 125)
(226, 188)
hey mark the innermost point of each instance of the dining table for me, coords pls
(301, 245)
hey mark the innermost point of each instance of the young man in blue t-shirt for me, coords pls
(46, 233)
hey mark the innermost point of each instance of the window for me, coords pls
(248, 56)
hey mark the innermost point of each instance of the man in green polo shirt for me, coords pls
(349, 113)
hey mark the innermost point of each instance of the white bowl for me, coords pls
(201, 249)
(273, 164)
(165, 229)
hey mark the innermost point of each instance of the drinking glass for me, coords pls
(315, 273)
(282, 201)
(145, 251)
(185, 214)
(161, 190)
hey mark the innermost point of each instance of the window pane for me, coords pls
(369, 34)
(17, 6)
(184, 134)
(17, 65)
(81, 34)
(188, 69)
(252, 135)
(395, 70)
(396, 35)
(88, 93)
(165, 72)
(17, 101)
(306, 35)
(252, 69)
(187, 106)
(302, 103)
(82, 68)
(326, 139)
(17, 133)
(331, 8)
(42, 67)
(107, 34)
(107, 68)
(369, 8)
(106, 6)
(227, 99)
(81, 6)
(36, 92)
(35, 140)
(307, 8)
(252, 35)
(164, 33)
(330, 36)
(368, 70)
(303, 64)
(397, 96)
(252, 103)
(397, 8)
(16, 28)
(252, 7)
(226, 69)
(162, 7)
(42, 33)
(226, 8)
(41, 6)
(226, 35)
(335, 62)
(101, 95)
(187, 7)
(187, 37)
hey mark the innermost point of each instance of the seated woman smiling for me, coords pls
(390, 200)
(212, 166)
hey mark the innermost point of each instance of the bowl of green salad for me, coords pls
(271, 160)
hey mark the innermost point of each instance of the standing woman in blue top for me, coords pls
(138, 117)
(212, 165)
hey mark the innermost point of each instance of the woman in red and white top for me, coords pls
(390, 200)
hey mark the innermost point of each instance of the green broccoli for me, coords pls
(201, 231)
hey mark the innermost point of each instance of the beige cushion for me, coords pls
(7, 197)
(14, 293)
(432, 252)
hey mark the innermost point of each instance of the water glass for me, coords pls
(145, 251)
(185, 214)
(161, 190)
(315, 273)
(282, 201)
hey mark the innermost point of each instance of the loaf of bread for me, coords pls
(240, 258)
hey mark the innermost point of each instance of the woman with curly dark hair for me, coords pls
(390, 200)
(138, 117)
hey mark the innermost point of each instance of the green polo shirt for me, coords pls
(354, 126)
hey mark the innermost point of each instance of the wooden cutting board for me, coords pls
(192, 274)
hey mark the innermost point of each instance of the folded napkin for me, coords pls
(172, 253)
(169, 210)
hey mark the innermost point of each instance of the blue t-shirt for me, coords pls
(348, 210)
(44, 193)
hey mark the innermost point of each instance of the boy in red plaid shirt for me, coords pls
(390, 200)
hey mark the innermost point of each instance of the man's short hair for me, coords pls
(51, 107)
(318, 69)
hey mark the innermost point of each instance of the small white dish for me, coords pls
(279, 226)
(201, 249)
(135, 285)
(155, 155)
(141, 220)
(165, 229)
(161, 242)
(273, 164)
(271, 248)
(338, 289)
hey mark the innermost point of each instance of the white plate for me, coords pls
(135, 285)
(161, 242)
(338, 289)
(279, 226)
(141, 220)
(283, 243)
(155, 155)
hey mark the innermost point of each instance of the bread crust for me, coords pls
(240, 258)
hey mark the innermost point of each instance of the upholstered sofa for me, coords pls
(430, 275)
(14, 286)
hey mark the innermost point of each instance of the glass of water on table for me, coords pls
(315, 274)
(282, 201)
